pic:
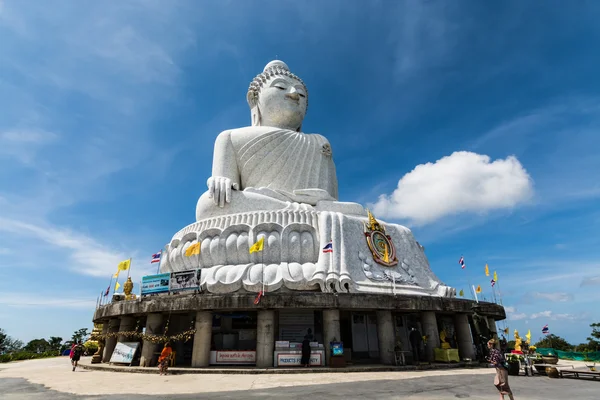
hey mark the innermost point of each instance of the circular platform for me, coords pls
(181, 303)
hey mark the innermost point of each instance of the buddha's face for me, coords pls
(282, 103)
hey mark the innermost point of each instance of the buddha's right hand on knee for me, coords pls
(219, 189)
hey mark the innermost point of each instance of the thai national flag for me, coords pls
(493, 282)
(328, 248)
(462, 262)
(545, 329)
(107, 290)
(156, 257)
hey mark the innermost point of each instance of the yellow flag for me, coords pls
(528, 336)
(495, 276)
(506, 331)
(193, 249)
(478, 290)
(116, 275)
(124, 265)
(117, 286)
(487, 270)
(461, 293)
(258, 246)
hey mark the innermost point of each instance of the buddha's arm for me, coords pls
(225, 175)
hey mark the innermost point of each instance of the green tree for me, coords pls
(79, 335)
(37, 346)
(55, 343)
(594, 339)
(555, 342)
(13, 345)
(8, 344)
(3, 341)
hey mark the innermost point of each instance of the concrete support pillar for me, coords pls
(430, 329)
(463, 336)
(127, 324)
(331, 330)
(493, 330)
(111, 342)
(202, 339)
(153, 326)
(265, 338)
(386, 336)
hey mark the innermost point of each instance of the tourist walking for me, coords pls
(76, 352)
(496, 358)
(164, 359)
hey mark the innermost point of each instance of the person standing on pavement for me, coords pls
(496, 358)
(415, 339)
(164, 359)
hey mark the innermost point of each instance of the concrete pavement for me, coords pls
(53, 378)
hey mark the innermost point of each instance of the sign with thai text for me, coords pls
(235, 357)
(124, 352)
(155, 283)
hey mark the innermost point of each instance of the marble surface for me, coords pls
(271, 180)
(293, 258)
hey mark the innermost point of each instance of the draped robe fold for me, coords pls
(286, 161)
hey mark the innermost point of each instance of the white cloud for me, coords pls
(87, 256)
(591, 281)
(556, 296)
(555, 317)
(518, 316)
(510, 309)
(19, 300)
(543, 314)
(23, 144)
(461, 182)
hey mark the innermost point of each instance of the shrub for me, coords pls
(90, 348)
(25, 355)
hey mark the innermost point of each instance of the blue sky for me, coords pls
(474, 124)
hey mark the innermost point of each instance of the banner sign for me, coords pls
(233, 357)
(124, 352)
(155, 283)
(185, 280)
(291, 360)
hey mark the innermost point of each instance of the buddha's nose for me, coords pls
(293, 94)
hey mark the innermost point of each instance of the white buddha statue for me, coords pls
(271, 165)
(272, 181)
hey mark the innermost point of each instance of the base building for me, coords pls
(274, 259)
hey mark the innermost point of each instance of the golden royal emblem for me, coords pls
(381, 245)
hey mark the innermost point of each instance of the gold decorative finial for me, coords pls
(373, 224)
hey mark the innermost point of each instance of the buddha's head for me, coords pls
(278, 98)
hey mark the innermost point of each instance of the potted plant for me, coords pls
(514, 364)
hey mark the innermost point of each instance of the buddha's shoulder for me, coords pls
(250, 132)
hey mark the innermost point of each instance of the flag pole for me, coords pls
(464, 267)
(129, 269)
(109, 285)
(116, 281)
(475, 293)
(262, 258)
(162, 253)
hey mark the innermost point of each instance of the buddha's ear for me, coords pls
(299, 128)
(255, 116)
(252, 99)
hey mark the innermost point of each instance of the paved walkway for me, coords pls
(53, 378)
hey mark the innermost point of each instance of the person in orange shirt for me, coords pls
(163, 360)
